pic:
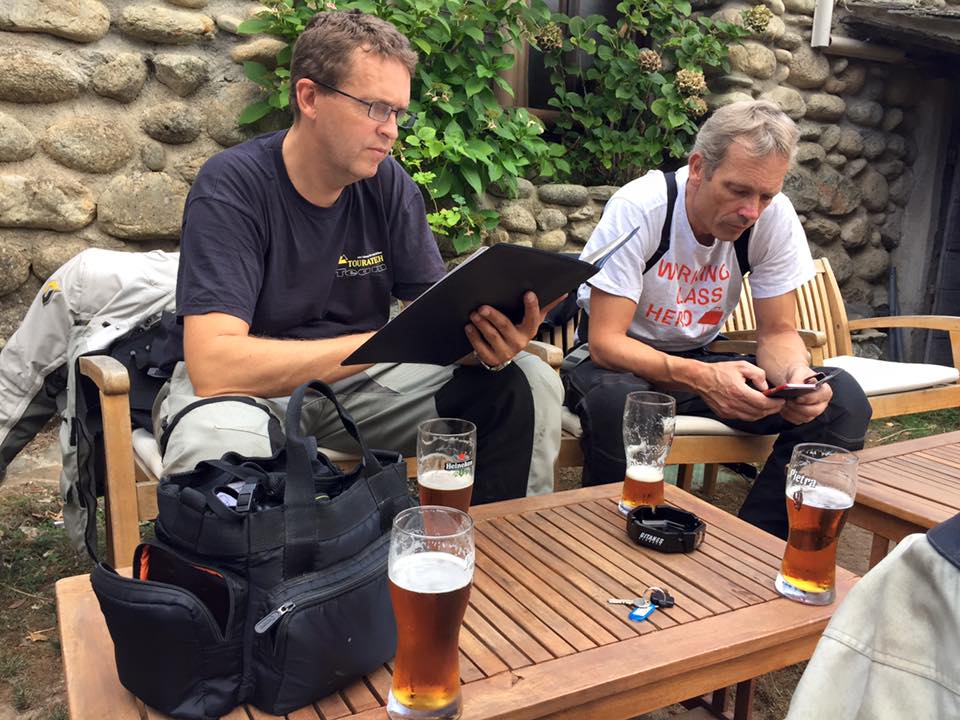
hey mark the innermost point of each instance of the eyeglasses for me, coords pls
(376, 110)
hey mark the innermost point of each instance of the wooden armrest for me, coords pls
(811, 338)
(949, 323)
(550, 354)
(738, 347)
(122, 514)
(107, 373)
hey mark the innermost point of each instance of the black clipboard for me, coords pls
(430, 329)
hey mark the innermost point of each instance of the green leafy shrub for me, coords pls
(464, 140)
(629, 94)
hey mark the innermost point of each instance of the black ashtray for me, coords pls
(665, 528)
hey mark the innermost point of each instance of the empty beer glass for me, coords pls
(446, 457)
(431, 569)
(821, 486)
(648, 425)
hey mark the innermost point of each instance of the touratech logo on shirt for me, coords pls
(361, 265)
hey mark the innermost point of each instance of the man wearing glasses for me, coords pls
(293, 244)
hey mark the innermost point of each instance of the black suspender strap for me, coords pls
(671, 179)
(741, 246)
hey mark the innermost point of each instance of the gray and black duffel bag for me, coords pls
(268, 581)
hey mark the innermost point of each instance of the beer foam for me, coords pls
(645, 473)
(445, 480)
(431, 572)
(825, 498)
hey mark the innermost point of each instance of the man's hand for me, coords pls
(495, 339)
(804, 408)
(724, 388)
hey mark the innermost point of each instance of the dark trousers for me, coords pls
(598, 397)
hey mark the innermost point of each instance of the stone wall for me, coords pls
(856, 117)
(108, 109)
(852, 178)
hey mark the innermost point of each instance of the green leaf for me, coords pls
(660, 107)
(253, 112)
(453, 131)
(254, 25)
(465, 243)
(425, 132)
(472, 177)
(474, 85)
(258, 73)
(495, 172)
(441, 186)
(474, 33)
(424, 46)
(479, 148)
(506, 86)
(676, 119)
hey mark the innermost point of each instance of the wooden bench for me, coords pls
(826, 330)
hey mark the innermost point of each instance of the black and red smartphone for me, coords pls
(785, 391)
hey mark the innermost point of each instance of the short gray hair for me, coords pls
(764, 126)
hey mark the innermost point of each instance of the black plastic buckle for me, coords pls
(245, 496)
(665, 529)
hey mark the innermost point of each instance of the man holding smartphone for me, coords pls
(662, 296)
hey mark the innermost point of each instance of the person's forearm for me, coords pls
(779, 353)
(265, 367)
(667, 371)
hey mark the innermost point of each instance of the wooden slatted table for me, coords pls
(906, 487)
(539, 638)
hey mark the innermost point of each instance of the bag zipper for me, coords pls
(313, 598)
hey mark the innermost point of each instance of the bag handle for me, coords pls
(300, 516)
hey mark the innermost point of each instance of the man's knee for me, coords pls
(208, 430)
(850, 412)
(544, 382)
(605, 400)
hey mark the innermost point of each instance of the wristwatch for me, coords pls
(492, 368)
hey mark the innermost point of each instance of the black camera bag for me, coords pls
(268, 581)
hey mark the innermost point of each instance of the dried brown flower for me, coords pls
(690, 82)
(649, 60)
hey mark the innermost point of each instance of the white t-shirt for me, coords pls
(684, 301)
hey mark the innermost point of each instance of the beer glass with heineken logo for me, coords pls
(821, 486)
(446, 458)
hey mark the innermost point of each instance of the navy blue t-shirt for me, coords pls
(253, 247)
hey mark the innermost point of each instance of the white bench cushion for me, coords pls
(147, 449)
(881, 377)
(686, 425)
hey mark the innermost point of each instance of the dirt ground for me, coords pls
(34, 554)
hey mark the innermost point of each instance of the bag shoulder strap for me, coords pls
(300, 517)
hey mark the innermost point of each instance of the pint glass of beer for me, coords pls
(430, 568)
(821, 486)
(648, 423)
(446, 457)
